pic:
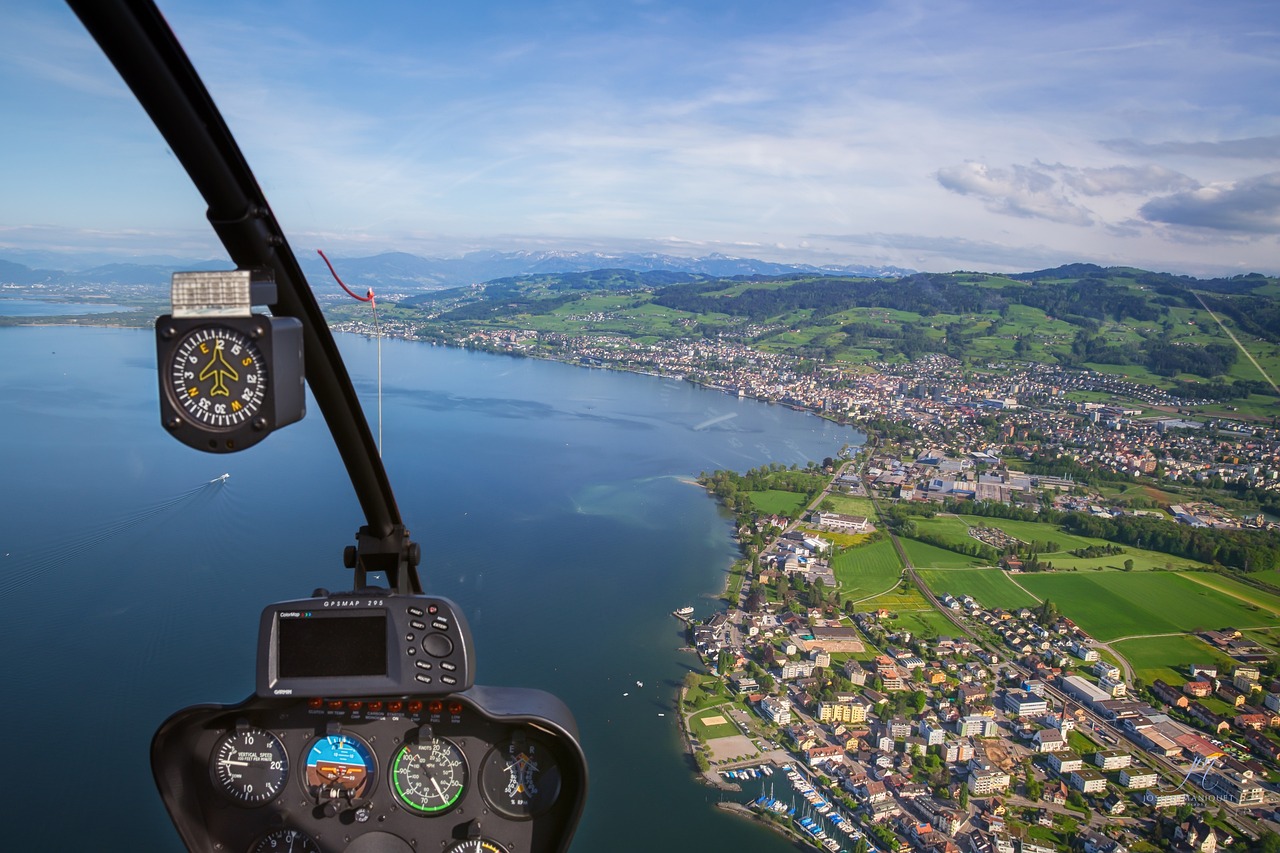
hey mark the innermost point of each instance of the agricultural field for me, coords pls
(1039, 531)
(905, 597)
(927, 623)
(1267, 576)
(777, 502)
(924, 555)
(990, 587)
(1167, 657)
(853, 506)
(867, 570)
(840, 540)
(1109, 605)
(1234, 588)
(949, 528)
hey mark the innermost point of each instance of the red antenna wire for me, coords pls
(349, 291)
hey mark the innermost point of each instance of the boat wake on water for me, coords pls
(23, 567)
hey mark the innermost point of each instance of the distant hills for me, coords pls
(401, 272)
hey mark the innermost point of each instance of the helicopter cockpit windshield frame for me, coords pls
(366, 732)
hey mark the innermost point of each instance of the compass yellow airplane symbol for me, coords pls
(218, 368)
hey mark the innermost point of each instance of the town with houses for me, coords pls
(1011, 734)
(963, 742)
(1139, 430)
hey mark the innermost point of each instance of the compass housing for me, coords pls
(227, 382)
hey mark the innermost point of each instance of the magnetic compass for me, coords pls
(218, 377)
(228, 377)
(227, 382)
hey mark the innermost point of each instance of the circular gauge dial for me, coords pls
(340, 765)
(285, 841)
(520, 777)
(218, 377)
(429, 776)
(477, 845)
(249, 766)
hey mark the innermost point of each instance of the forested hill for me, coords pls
(1151, 327)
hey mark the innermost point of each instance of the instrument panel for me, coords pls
(489, 770)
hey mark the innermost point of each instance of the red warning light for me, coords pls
(455, 708)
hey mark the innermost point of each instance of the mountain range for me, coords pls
(404, 273)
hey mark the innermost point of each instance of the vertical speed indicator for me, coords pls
(249, 766)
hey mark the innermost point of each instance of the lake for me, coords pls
(552, 502)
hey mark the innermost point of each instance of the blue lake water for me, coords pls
(552, 502)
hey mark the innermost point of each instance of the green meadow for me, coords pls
(990, 587)
(1109, 605)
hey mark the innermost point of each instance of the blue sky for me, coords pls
(933, 135)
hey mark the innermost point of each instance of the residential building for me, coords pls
(983, 782)
(1087, 780)
(1163, 799)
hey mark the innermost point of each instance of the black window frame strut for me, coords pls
(135, 37)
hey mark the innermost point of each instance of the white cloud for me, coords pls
(1111, 180)
(1019, 191)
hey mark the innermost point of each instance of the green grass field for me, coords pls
(925, 556)
(991, 587)
(948, 528)
(853, 506)
(706, 732)
(926, 623)
(906, 597)
(777, 502)
(1268, 576)
(1167, 657)
(1234, 588)
(867, 570)
(1121, 604)
(1039, 531)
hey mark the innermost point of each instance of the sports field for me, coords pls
(713, 724)
(990, 587)
(1109, 605)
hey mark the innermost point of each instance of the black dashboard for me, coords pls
(489, 770)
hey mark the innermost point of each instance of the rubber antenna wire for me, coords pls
(373, 304)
